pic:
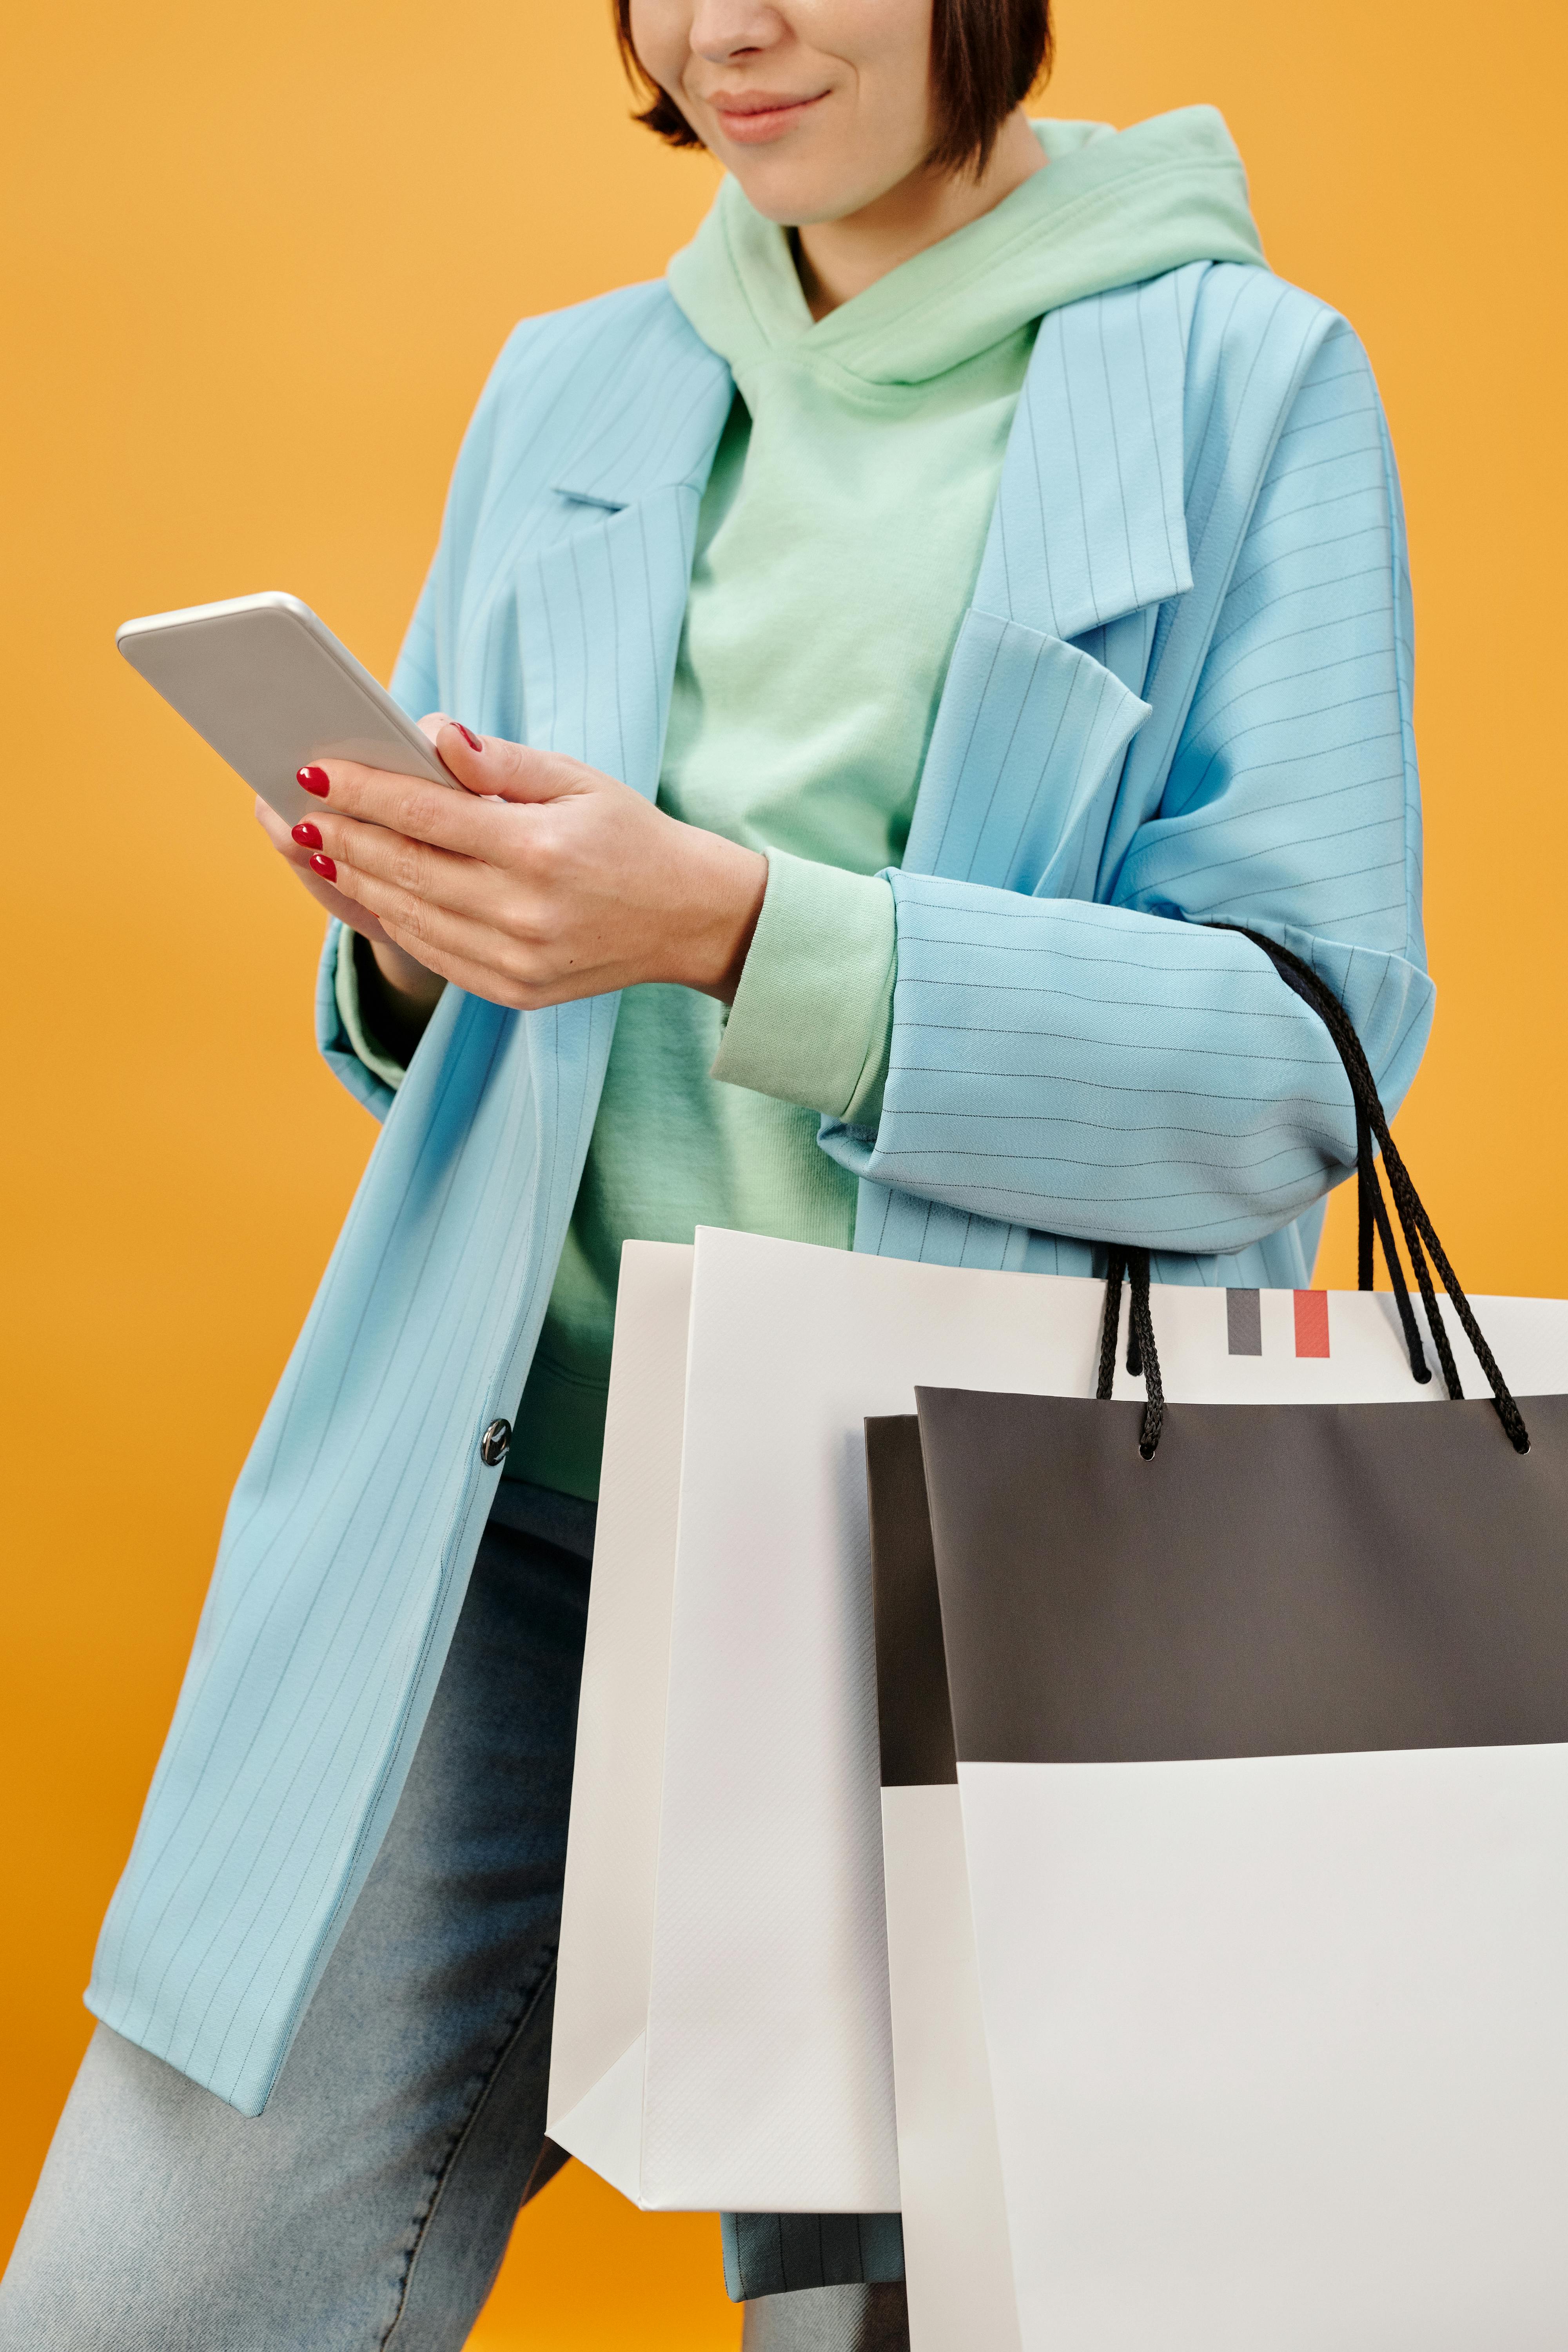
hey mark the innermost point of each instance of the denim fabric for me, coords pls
(369, 2206)
(829, 2319)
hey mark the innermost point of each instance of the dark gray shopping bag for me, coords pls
(1249, 1722)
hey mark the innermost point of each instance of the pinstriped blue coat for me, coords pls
(1182, 694)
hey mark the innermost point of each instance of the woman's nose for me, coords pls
(724, 29)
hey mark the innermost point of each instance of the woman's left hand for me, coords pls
(540, 880)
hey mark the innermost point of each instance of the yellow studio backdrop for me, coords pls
(257, 261)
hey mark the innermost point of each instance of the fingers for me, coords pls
(393, 873)
(323, 891)
(455, 916)
(403, 804)
(489, 769)
(509, 771)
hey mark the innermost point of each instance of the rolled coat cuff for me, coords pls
(812, 1018)
(367, 1047)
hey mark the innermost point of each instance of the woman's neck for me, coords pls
(839, 259)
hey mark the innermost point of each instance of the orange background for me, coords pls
(260, 257)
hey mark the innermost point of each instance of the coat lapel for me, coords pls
(1087, 536)
(599, 613)
(602, 588)
(1090, 521)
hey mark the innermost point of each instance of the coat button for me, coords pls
(494, 1442)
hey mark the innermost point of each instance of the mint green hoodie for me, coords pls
(838, 546)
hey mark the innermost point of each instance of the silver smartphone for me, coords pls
(268, 684)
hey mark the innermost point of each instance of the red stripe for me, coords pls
(1311, 1322)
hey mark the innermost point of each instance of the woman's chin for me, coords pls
(792, 188)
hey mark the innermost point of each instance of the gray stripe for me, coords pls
(1243, 1322)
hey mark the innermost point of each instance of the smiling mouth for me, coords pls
(759, 115)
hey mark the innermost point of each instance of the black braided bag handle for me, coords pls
(1420, 1239)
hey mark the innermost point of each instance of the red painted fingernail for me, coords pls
(469, 738)
(314, 779)
(307, 835)
(323, 865)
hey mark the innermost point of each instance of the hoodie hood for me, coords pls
(1112, 208)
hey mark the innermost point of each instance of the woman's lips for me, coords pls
(752, 122)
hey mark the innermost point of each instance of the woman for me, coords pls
(879, 655)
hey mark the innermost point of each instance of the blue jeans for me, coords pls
(369, 2205)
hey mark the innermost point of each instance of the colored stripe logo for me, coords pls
(1243, 1322)
(1311, 1322)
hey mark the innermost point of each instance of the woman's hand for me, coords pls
(540, 881)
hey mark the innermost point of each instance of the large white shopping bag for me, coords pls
(1253, 1762)
(723, 2033)
(723, 2030)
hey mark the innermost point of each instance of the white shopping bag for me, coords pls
(723, 2030)
(1276, 2048)
(722, 2035)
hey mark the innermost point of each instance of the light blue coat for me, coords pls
(1183, 694)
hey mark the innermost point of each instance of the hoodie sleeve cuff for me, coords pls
(367, 1046)
(813, 1015)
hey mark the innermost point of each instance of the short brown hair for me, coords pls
(985, 57)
